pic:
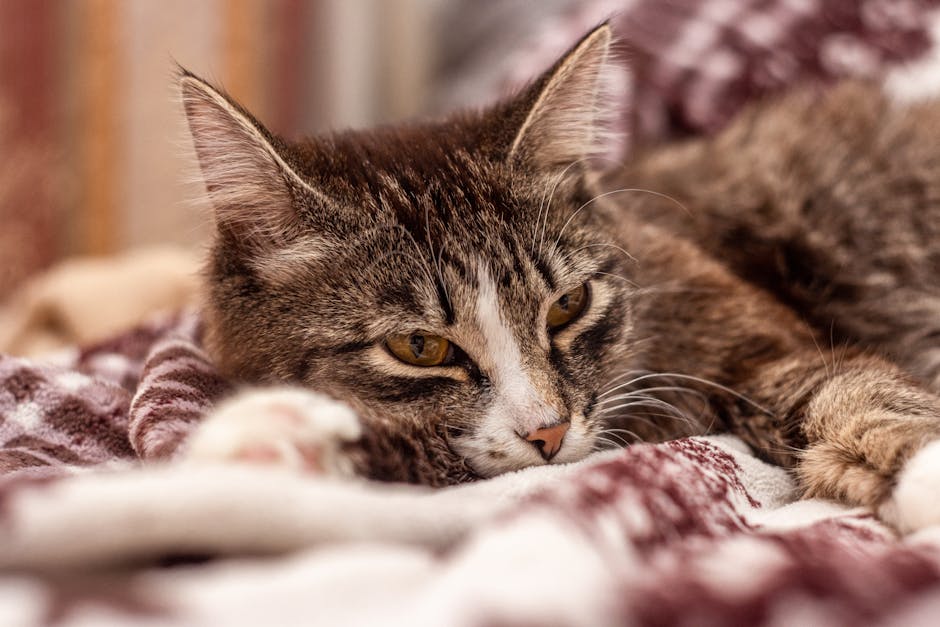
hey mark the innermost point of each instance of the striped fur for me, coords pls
(721, 276)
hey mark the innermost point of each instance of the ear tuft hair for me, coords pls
(576, 107)
(250, 184)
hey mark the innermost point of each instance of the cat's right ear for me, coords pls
(570, 114)
(252, 185)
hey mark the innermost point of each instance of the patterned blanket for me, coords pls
(696, 531)
(133, 397)
(102, 524)
(693, 64)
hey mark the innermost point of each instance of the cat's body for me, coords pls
(827, 205)
(484, 302)
(829, 199)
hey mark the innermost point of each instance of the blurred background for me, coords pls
(94, 156)
(94, 153)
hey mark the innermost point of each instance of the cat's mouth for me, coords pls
(508, 451)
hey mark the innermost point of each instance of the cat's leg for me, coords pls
(289, 427)
(297, 428)
(873, 438)
(853, 426)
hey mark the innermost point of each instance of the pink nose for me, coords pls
(548, 439)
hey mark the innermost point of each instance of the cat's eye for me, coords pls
(567, 308)
(420, 349)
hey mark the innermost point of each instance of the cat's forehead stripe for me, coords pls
(519, 401)
(501, 345)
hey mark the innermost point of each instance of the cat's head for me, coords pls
(447, 277)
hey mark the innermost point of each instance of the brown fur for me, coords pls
(763, 289)
(828, 202)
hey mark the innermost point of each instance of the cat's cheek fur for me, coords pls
(915, 501)
(288, 427)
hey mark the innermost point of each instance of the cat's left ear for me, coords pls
(572, 111)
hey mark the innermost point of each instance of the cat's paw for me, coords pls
(915, 501)
(288, 427)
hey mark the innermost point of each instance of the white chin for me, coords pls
(512, 457)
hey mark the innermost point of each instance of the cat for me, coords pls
(480, 296)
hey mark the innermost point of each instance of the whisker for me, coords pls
(659, 388)
(604, 245)
(625, 373)
(437, 258)
(842, 355)
(617, 438)
(674, 427)
(611, 193)
(546, 202)
(675, 287)
(674, 413)
(398, 227)
(819, 350)
(666, 388)
(651, 192)
(440, 275)
(782, 447)
(702, 381)
(664, 431)
(622, 278)
(636, 437)
(654, 402)
(389, 255)
(608, 442)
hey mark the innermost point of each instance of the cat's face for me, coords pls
(450, 276)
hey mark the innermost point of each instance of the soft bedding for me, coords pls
(101, 524)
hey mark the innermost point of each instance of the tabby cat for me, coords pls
(483, 297)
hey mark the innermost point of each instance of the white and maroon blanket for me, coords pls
(99, 526)
(131, 398)
(692, 64)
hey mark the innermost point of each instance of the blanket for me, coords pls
(691, 65)
(132, 397)
(100, 525)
